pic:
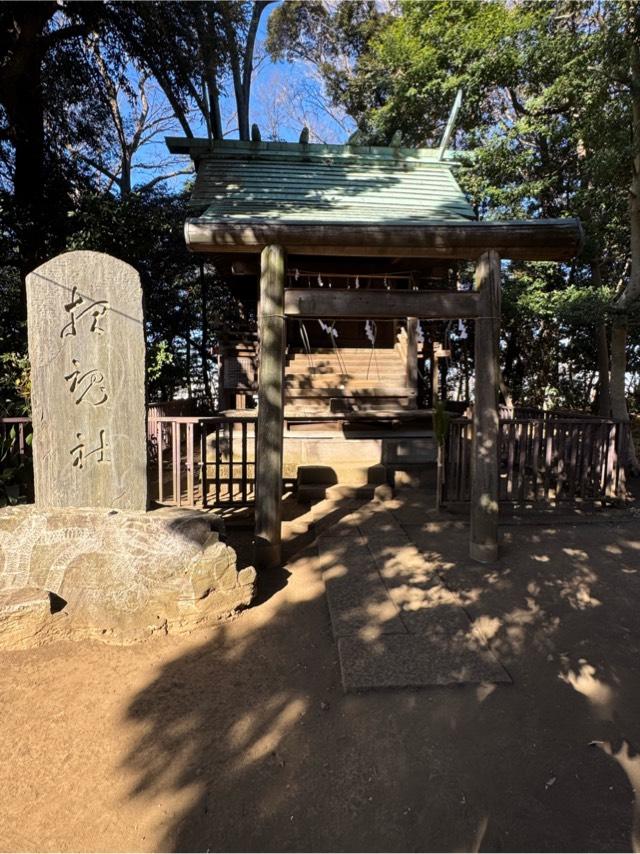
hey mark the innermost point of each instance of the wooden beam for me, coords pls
(268, 504)
(329, 303)
(528, 240)
(485, 483)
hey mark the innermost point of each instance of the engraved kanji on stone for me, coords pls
(94, 310)
(87, 351)
(81, 455)
(88, 385)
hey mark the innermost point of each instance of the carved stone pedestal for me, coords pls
(112, 575)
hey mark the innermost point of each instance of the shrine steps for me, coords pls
(347, 380)
(339, 481)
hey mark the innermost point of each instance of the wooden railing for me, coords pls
(549, 459)
(210, 461)
(203, 462)
(192, 461)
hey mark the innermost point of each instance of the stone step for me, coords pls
(320, 515)
(353, 475)
(339, 482)
(343, 492)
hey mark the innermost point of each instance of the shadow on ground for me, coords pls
(250, 731)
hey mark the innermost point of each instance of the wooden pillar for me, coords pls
(271, 324)
(412, 357)
(485, 447)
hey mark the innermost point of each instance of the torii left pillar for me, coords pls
(485, 482)
(271, 329)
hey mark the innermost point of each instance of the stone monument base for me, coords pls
(111, 575)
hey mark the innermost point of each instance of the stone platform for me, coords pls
(395, 621)
(116, 576)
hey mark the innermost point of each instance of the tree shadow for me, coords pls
(251, 738)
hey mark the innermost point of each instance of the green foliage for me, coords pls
(15, 384)
(544, 130)
(159, 357)
(15, 469)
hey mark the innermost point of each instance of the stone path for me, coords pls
(395, 622)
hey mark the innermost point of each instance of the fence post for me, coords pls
(204, 481)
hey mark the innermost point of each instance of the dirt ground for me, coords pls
(239, 737)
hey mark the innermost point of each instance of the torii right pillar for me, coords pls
(485, 482)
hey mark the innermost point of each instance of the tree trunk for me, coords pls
(188, 364)
(602, 344)
(513, 367)
(242, 66)
(618, 368)
(631, 291)
(467, 393)
(619, 409)
(444, 379)
(124, 181)
(215, 118)
(604, 388)
(504, 391)
(21, 96)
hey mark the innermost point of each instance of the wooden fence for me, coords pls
(192, 461)
(548, 459)
(210, 461)
(203, 462)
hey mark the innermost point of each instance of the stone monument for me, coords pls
(86, 560)
(87, 352)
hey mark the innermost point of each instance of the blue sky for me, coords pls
(284, 97)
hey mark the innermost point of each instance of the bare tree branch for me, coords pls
(148, 186)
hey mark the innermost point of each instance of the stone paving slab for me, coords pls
(396, 623)
(356, 595)
(361, 606)
(414, 661)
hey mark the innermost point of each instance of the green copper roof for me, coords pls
(287, 183)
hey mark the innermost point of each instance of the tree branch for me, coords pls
(150, 184)
(56, 36)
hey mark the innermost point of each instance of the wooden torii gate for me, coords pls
(534, 240)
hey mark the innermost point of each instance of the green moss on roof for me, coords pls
(333, 184)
